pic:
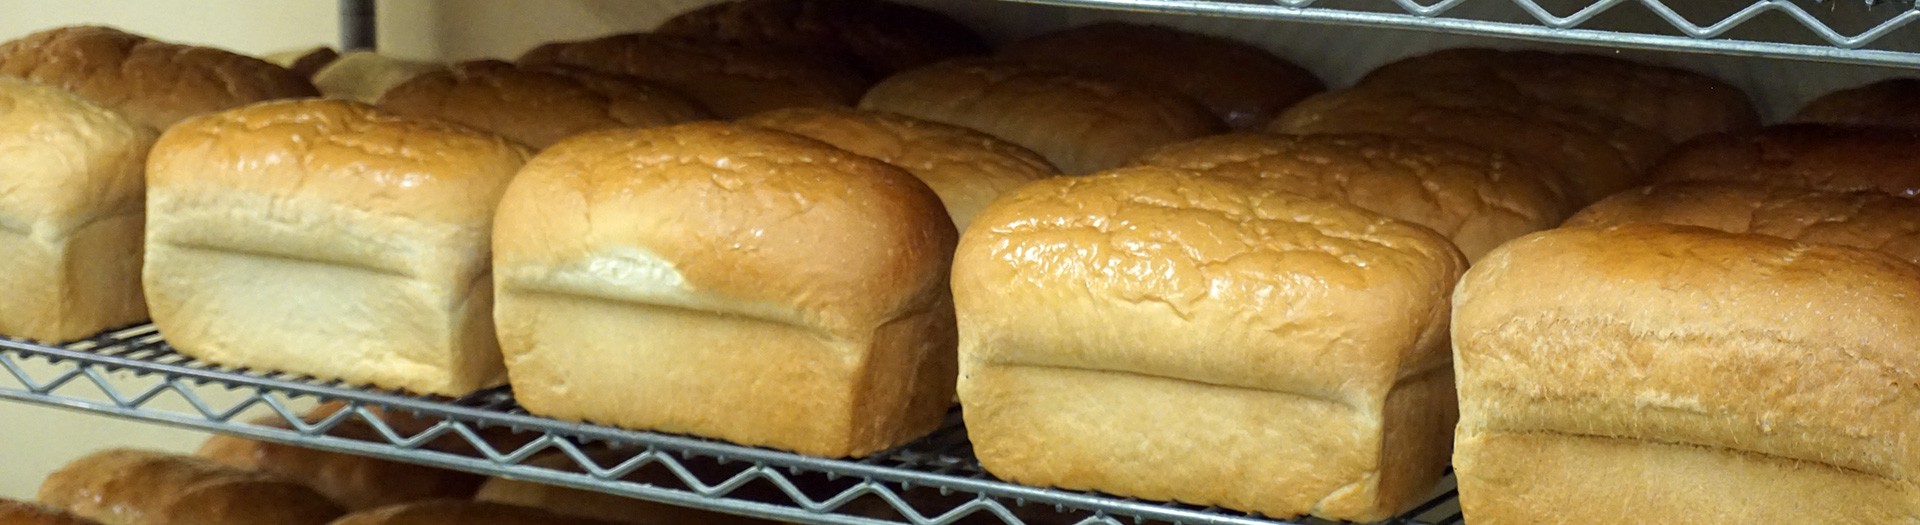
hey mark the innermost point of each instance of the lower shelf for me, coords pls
(934, 481)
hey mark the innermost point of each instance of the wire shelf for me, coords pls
(1870, 32)
(934, 481)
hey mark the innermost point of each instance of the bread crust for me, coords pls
(1243, 85)
(1475, 197)
(1813, 156)
(1860, 219)
(1893, 102)
(537, 106)
(154, 83)
(1698, 355)
(967, 168)
(1081, 124)
(1114, 326)
(731, 80)
(138, 487)
(23, 513)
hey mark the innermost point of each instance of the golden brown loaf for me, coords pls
(71, 214)
(732, 80)
(353, 481)
(1893, 102)
(537, 106)
(621, 509)
(1079, 123)
(883, 37)
(328, 238)
(1161, 334)
(1813, 156)
(452, 512)
(1610, 375)
(1598, 156)
(1476, 197)
(138, 487)
(1243, 85)
(1677, 103)
(1861, 219)
(154, 83)
(801, 289)
(967, 168)
(14, 512)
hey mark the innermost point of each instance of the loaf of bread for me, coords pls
(14, 512)
(537, 106)
(1813, 156)
(1157, 333)
(353, 481)
(1598, 155)
(731, 80)
(1677, 103)
(1861, 219)
(621, 509)
(1476, 197)
(1665, 372)
(363, 76)
(151, 82)
(452, 512)
(798, 289)
(304, 61)
(1893, 102)
(1243, 85)
(1082, 124)
(967, 168)
(328, 238)
(881, 37)
(139, 487)
(71, 209)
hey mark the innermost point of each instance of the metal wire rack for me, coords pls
(1873, 32)
(934, 481)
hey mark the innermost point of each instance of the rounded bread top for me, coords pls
(1477, 197)
(1860, 219)
(1596, 156)
(154, 83)
(741, 218)
(1081, 124)
(967, 168)
(1679, 104)
(537, 106)
(1893, 102)
(883, 37)
(346, 152)
(1352, 295)
(732, 80)
(68, 161)
(1243, 85)
(1815, 156)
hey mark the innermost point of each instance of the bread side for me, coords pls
(1691, 347)
(71, 214)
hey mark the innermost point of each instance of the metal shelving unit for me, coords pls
(934, 481)
(1871, 32)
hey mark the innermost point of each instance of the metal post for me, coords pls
(358, 25)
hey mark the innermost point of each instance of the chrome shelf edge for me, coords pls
(1845, 50)
(926, 465)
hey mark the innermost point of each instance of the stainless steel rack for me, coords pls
(934, 481)
(1872, 32)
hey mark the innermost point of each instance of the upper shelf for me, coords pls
(1871, 32)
